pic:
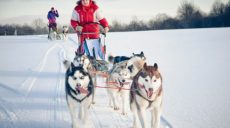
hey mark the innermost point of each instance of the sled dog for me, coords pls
(118, 84)
(135, 64)
(117, 59)
(146, 95)
(81, 60)
(79, 89)
(65, 30)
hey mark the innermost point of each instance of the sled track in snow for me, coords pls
(58, 90)
(8, 113)
(119, 120)
(39, 68)
(56, 114)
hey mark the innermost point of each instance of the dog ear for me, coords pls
(142, 53)
(145, 65)
(78, 53)
(71, 67)
(155, 66)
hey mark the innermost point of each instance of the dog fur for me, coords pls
(146, 94)
(65, 31)
(118, 84)
(135, 64)
(117, 59)
(121, 78)
(84, 61)
(79, 90)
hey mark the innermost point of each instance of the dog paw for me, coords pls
(124, 113)
(116, 108)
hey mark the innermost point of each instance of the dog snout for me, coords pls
(78, 85)
(150, 89)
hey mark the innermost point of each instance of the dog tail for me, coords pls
(66, 64)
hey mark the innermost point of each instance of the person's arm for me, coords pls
(48, 15)
(56, 13)
(102, 20)
(75, 20)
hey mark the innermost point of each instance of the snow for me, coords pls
(194, 64)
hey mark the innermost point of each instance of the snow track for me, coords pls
(39, 101)
(32, 90)
(8, 114)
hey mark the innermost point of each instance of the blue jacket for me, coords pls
(52, 16)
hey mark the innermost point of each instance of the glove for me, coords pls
(79, 28)
(106, 29)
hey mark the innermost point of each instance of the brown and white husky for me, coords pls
(146, 95)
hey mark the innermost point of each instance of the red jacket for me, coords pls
(85, 14)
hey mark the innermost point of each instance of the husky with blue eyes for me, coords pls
(146, 95)
(79, 90)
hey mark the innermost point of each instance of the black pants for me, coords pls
(52, 26)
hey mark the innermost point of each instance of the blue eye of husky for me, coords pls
(146, 80)
(74, 78)
(82, 77)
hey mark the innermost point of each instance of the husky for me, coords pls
(135, 64)
(118, 84)
(65, 31)
(119, 78)
(117, 59)
(79, 89)
(146, 94)
(81, 60)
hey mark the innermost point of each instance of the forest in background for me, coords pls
(188, 16)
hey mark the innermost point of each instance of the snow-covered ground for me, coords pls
(194, 64)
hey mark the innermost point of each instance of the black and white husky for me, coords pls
(84, 61)
(117, 59)
(79, 90)
(146, 95)
(65, 31)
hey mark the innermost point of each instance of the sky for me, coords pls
(120, 10)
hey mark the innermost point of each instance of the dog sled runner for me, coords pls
(95, 49)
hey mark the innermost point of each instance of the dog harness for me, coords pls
(73, 92)
(135, 87)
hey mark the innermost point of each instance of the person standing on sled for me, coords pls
(51, 16)
(85, 19)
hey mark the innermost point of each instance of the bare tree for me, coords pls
(217, 8)
(40, 26)
(189, 15)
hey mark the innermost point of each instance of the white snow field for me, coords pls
(195, 65)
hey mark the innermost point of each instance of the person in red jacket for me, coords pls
(84, 16)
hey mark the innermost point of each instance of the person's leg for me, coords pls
(55, 27)
(97, 49)
(49, 30)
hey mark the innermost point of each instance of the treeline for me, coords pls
(37, 27)
(188, 16)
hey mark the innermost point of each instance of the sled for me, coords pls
(96, 50)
